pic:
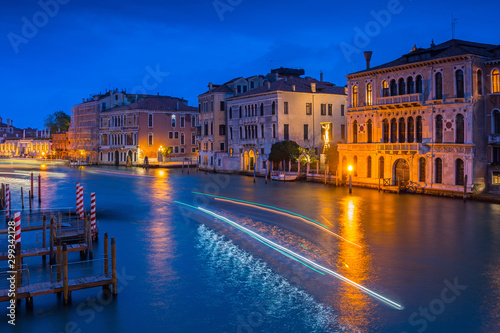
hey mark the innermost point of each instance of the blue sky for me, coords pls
(86, 47)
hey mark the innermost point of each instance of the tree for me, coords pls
(166, 151)
(57, 122)
(284, 150)
(332, 157)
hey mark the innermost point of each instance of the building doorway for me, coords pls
(117, 158)
(401, 172)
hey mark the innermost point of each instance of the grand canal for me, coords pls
(183, 270)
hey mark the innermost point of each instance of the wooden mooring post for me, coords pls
(52, 259)
(39, 188)
(29, 199)
(89, 238)
(66, 292)
(44, 231)
(59, 260)
(465, 188)
(31, 193)
(106, 254)
(22, 198)
(113, 267)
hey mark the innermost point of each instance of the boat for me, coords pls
(284, 177)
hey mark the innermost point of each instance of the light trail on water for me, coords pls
(303, 260)
(279, 211)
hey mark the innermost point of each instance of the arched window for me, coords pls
(459, 172)
(419, 89)
(355, 132)
(439, 129)
(385, 130)
(419, 129)
(459, 82)
(394, 130)
(240, 111)
(495, 81)
(394, 88)
(410, 86)
(459, 129)
(241, 132)
(495, 122)
(369, 167)
(261, 109)
(354, 96)
(402, 130)
(369, 131)
(438, 80)
(439, 171)
(401, 84)
(355, 166)
(421, 167)
(385, 88)
(273, 108)
(369, 94)
(150, 120)
(411, 130)
(246, 111)
(479, 82)
(230, 113)
(381, 167)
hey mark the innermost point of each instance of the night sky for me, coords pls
(86, 47)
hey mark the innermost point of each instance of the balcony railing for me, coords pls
(401, 100)
(398, 146)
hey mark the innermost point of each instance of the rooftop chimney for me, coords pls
(210, 86)
(321, 76)
(0, 120)
(368, 57)
(177, 106)
(8, 123)
(83, 100)
(293, 87)
(12, 122)
(313, 87)
(268, 85)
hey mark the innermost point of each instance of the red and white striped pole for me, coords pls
(77, 187)
(17, 219)
(80, 201)
(7, 202)
(92, 213)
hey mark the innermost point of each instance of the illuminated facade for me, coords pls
(32, 148)
(420, 120)
(286, 107)
(130, 134)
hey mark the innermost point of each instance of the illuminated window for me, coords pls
(354, 96)
(369, 94)
(385, 88)
(495, 81)
(496, 178)
(173, 120)
(459, 82)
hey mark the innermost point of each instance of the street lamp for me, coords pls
(350, 180)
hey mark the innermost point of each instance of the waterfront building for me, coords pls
(212, 128)
(83, 131)
(60, 145)
(489, 84)
(27, 147)
(137, 132)
(420, 119)
(286, 107)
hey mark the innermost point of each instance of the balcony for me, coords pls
(401, 101)
(397, 147)
(493, 139)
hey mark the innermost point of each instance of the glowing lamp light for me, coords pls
(349, 168)
(43, 166)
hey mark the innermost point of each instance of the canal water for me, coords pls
(184, 270)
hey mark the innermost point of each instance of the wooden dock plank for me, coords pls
(34, 252)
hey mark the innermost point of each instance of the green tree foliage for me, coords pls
(313, 158)
(166, 151)
(57, 122)
(284, 150)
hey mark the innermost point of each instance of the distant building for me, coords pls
(83, 131)
(285, 107)
(212, 119)
(420, 119)
(489, 85)
(60, 145)
(29, 147)
(133, 133)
